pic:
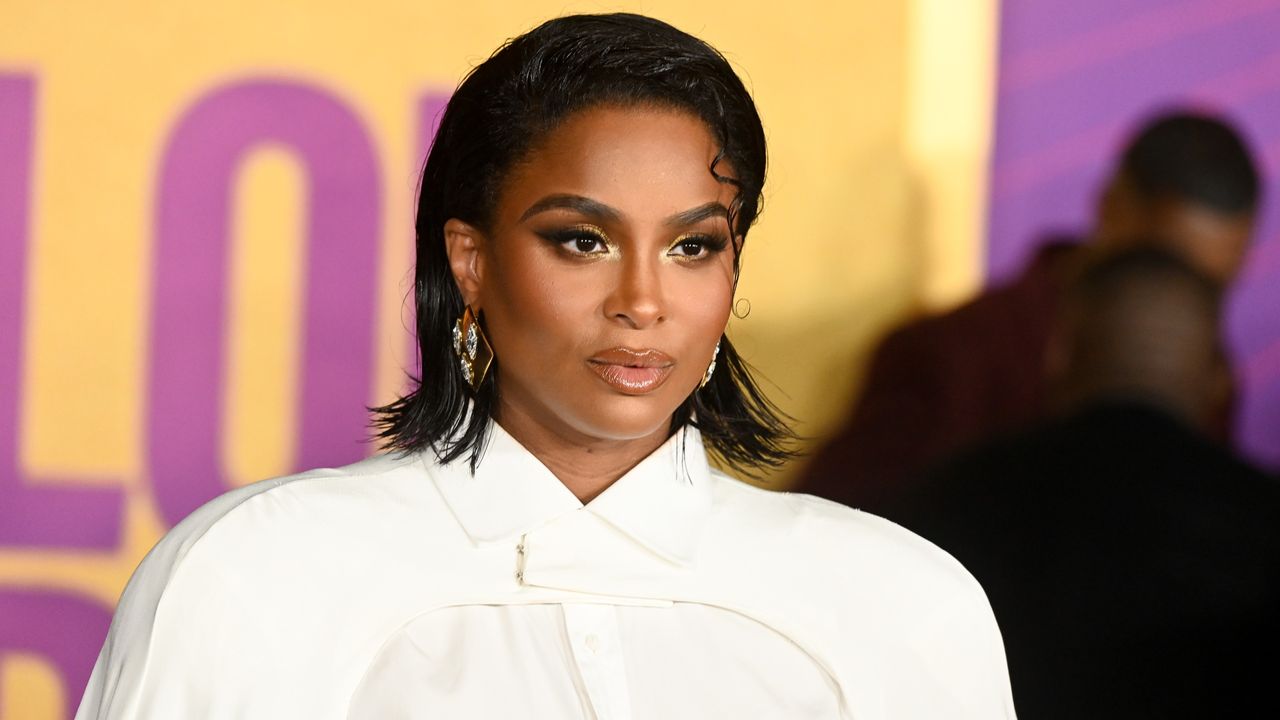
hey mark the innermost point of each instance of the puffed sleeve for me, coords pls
(907, 630)
(120, 672)
(962, 671)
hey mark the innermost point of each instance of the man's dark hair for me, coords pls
(1144, 321)
(499, 113)
(1195, 157)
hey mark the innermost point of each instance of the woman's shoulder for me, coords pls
(244, 566)
(270, 528)
(298, 498)
(893, 615)
(854, 544)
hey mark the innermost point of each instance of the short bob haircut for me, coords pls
(502, 109)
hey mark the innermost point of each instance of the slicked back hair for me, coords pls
(497, 116)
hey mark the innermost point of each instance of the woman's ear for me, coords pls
(463, 243)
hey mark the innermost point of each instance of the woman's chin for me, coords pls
(624, 417)
(592, 411)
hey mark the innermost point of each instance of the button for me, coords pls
(520, 576)
(593, 643)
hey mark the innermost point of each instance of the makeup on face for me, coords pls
(608, 274)
(582, 234)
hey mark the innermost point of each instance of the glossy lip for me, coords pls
(632, 372)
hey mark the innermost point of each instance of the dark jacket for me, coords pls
(1134, 566)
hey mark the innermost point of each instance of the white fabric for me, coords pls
(401, 588)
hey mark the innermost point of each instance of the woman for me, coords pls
(547, 539)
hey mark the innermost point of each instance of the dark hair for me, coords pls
(1194, 157)
(501, 110)
(1143, 324)
(1142, 263)
(1144, 309)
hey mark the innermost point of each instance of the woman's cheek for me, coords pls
(708, 297)
(532, 288)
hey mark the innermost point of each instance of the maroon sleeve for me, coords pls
(902, 422)
(937, 385)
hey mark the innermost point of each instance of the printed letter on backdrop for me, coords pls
(193, 222)
(65, 630)
(32, 515)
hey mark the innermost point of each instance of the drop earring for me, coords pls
(475, 355)
(710, 368)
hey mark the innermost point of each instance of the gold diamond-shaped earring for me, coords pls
(710, 368)
(475, 355)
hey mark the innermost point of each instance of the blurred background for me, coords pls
(206, 229)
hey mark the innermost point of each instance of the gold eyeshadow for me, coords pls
(560, 236)
(710, 242)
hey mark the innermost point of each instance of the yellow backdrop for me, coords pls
(877, 115)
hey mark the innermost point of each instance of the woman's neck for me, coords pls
(586, 465)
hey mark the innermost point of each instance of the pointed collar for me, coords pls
(661, 503)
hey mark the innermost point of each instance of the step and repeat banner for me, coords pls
(206, 216)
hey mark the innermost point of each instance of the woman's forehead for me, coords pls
(642, 160)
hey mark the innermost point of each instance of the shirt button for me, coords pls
(593, 643)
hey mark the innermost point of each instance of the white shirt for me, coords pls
(402, 588)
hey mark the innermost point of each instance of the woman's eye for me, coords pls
(580, 242)
(690, 248)
(695, 247)
(585, 244)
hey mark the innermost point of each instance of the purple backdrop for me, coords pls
(1074, 75)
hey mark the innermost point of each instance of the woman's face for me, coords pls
(607, 276)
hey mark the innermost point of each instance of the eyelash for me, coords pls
(711, 244)
(578, 235)
(704, 245)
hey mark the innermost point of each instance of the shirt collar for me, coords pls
(661, 503)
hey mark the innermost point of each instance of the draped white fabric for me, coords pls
(401, 588)
(592, 661)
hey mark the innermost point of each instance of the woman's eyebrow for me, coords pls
(603, 213)
(696, 215)
(584, 205)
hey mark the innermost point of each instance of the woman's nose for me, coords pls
(637, 300)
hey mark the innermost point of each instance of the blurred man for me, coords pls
(1133, 564)
(943, 382)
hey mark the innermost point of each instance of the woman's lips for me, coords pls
(632, 372)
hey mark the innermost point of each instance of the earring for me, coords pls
(710, 368)
(475, 355)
